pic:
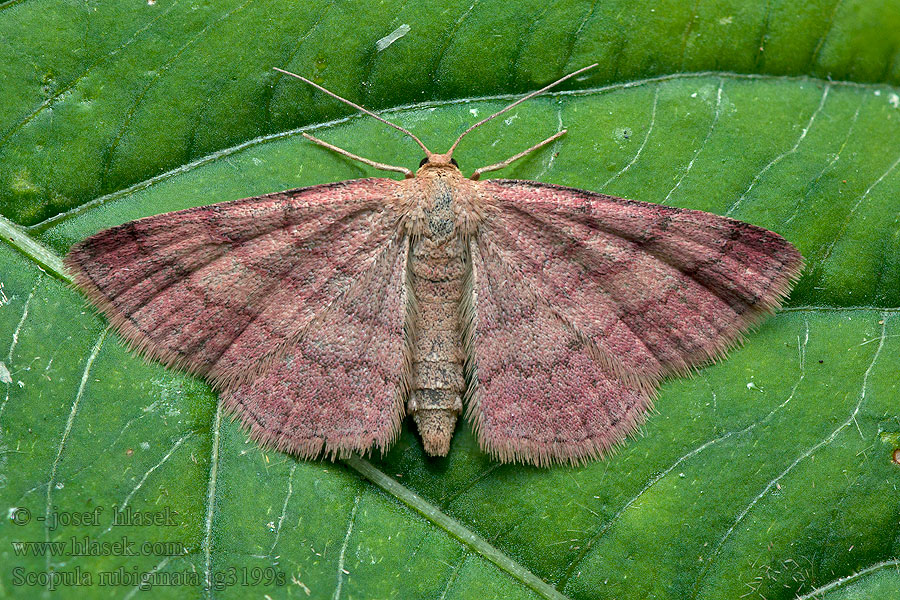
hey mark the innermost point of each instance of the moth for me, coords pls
(546, 315)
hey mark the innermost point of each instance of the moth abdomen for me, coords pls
(436, 273)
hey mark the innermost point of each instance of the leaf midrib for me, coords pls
(46, 224)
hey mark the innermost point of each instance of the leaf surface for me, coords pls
(768, 474)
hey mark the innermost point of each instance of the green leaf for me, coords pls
(766, 475)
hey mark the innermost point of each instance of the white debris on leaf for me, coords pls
(5, 376)
(392, 37)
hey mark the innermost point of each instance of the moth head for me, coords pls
(438, 160)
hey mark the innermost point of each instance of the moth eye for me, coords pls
(454, 163)
(424, 160)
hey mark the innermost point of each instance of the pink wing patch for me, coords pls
(657, 289)
(538, 393)
(341, 387)
(641, 289)
(292, 304)
(218, 290)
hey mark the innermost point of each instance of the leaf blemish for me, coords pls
(392, 37)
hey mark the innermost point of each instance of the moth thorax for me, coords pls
(439, 216)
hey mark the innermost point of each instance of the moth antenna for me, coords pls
(494, 167)
(516, 103)
(384, 167)
(360, 108)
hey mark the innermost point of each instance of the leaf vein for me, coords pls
(232, 150)
(833, 160)
(570, 567)
(340, 567)
(104, 58)
(211, 499)
(784, 154)
(62, 442)
(825, 441)
(827, 254)
(110, 151)
(643, 143)
(454, 573)
(828, 29)
(12, 347)
(449, 40)
(287, 498)
(709, 133)
(454, 528)
(816, 593)
(141, 587)
(146, 475)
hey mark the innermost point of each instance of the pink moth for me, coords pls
(547, 315)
